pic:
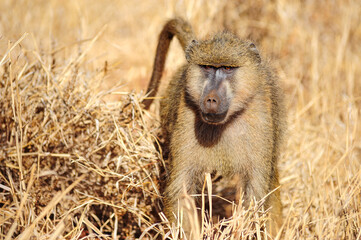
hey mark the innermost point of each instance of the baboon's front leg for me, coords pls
(179, 207)
(258, 186)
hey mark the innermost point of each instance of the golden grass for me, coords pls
(77, 153)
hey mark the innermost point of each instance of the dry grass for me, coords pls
(77, 159)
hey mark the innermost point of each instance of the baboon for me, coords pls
(222, 112)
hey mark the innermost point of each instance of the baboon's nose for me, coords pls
(211, 102)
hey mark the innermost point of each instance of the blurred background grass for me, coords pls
(313, 45)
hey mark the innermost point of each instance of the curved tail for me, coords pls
(183, 31)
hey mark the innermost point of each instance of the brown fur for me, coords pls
(246, 143)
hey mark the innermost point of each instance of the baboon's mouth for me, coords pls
(213, 118)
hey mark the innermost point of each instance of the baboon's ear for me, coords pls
(190, 49)
(253, 49)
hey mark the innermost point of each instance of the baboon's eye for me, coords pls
(207, 68)
(228, 69)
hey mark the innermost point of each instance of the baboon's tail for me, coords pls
(183, 31)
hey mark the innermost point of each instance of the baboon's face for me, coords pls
(222, 77)
(221, 92)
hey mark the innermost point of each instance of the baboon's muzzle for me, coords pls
(214, 102)
(214, 107)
